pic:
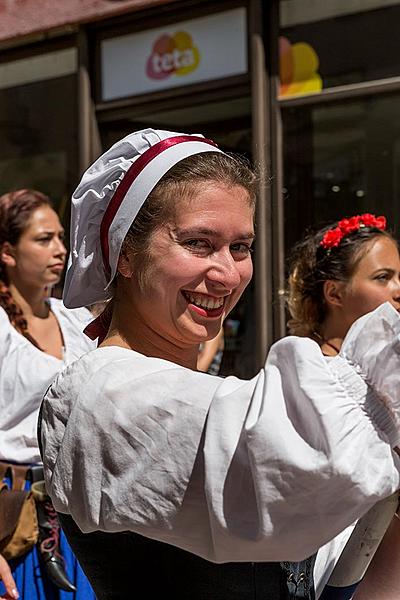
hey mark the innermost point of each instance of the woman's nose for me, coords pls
(60, 248)
(396, 291)
(224, 270)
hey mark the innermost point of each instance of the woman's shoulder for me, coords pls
(295, 350)
(4, 320)
(79, 316)
(6, 328)
(73, 322)
(119, 364)
(121, 372)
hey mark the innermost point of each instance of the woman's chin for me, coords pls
(201, 334)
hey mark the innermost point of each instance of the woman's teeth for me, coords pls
(205, 302)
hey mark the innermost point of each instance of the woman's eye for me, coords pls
(197, 245)
(242, 248)
(383, 277)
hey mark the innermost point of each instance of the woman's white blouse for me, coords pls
(263, 470)
(25, 374)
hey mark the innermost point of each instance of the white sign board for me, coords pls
(188, 52)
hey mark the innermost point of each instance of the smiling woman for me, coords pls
(151, 462)
(195, 271)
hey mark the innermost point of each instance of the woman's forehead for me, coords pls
(377, 253)
(227, 211)
(43, 218)
(212, 194)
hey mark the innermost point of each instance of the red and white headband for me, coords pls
(107, 201)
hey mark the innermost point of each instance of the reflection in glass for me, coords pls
(339, 42)
(340, 160)
(38, 128)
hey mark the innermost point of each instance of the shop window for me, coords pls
(337, 42)
(341, 159)
(38, 125)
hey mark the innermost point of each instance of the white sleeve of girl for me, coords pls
(263, 470)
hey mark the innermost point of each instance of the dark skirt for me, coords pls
(124, 566)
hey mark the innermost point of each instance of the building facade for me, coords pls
(304, 88)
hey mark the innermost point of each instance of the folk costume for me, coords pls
(188, 469)
(25, 374)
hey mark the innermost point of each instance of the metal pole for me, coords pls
(278, 217)
(88, 139)
(83, 105)
(261, 157)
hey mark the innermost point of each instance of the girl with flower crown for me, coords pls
(170, 481)
(337, 275)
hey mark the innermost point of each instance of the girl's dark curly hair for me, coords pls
(310, 265)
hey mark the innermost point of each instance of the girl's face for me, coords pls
(375, 281)
(199, 265)
(37, 259)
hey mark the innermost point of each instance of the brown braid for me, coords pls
(16, 209)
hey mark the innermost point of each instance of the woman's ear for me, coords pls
(7, 255)
(125, 264)
(333, 291)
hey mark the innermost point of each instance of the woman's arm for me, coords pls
(228, 469)
(8, 580)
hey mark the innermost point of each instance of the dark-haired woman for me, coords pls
(38, 336)
(151, 461)
(337, 275)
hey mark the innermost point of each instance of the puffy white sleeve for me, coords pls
(372, 348)
(263, 470)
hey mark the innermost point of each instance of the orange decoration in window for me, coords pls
(298, 68)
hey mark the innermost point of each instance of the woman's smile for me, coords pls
(204, 304)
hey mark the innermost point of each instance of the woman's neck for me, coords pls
(138, 337)
(32, 301)
(330, 335)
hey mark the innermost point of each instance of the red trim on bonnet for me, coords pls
(130, 176)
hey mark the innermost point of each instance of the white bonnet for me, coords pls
(107, 200)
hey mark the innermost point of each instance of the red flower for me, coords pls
(332, 238)
(371, 221)
(349, 225)
(380, 222)
(368, 219)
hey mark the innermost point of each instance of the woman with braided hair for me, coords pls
(337, 275)
(38, 336)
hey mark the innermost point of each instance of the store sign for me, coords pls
(174, 55)
(188, 52)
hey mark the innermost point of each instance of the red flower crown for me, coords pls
(333, 237)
